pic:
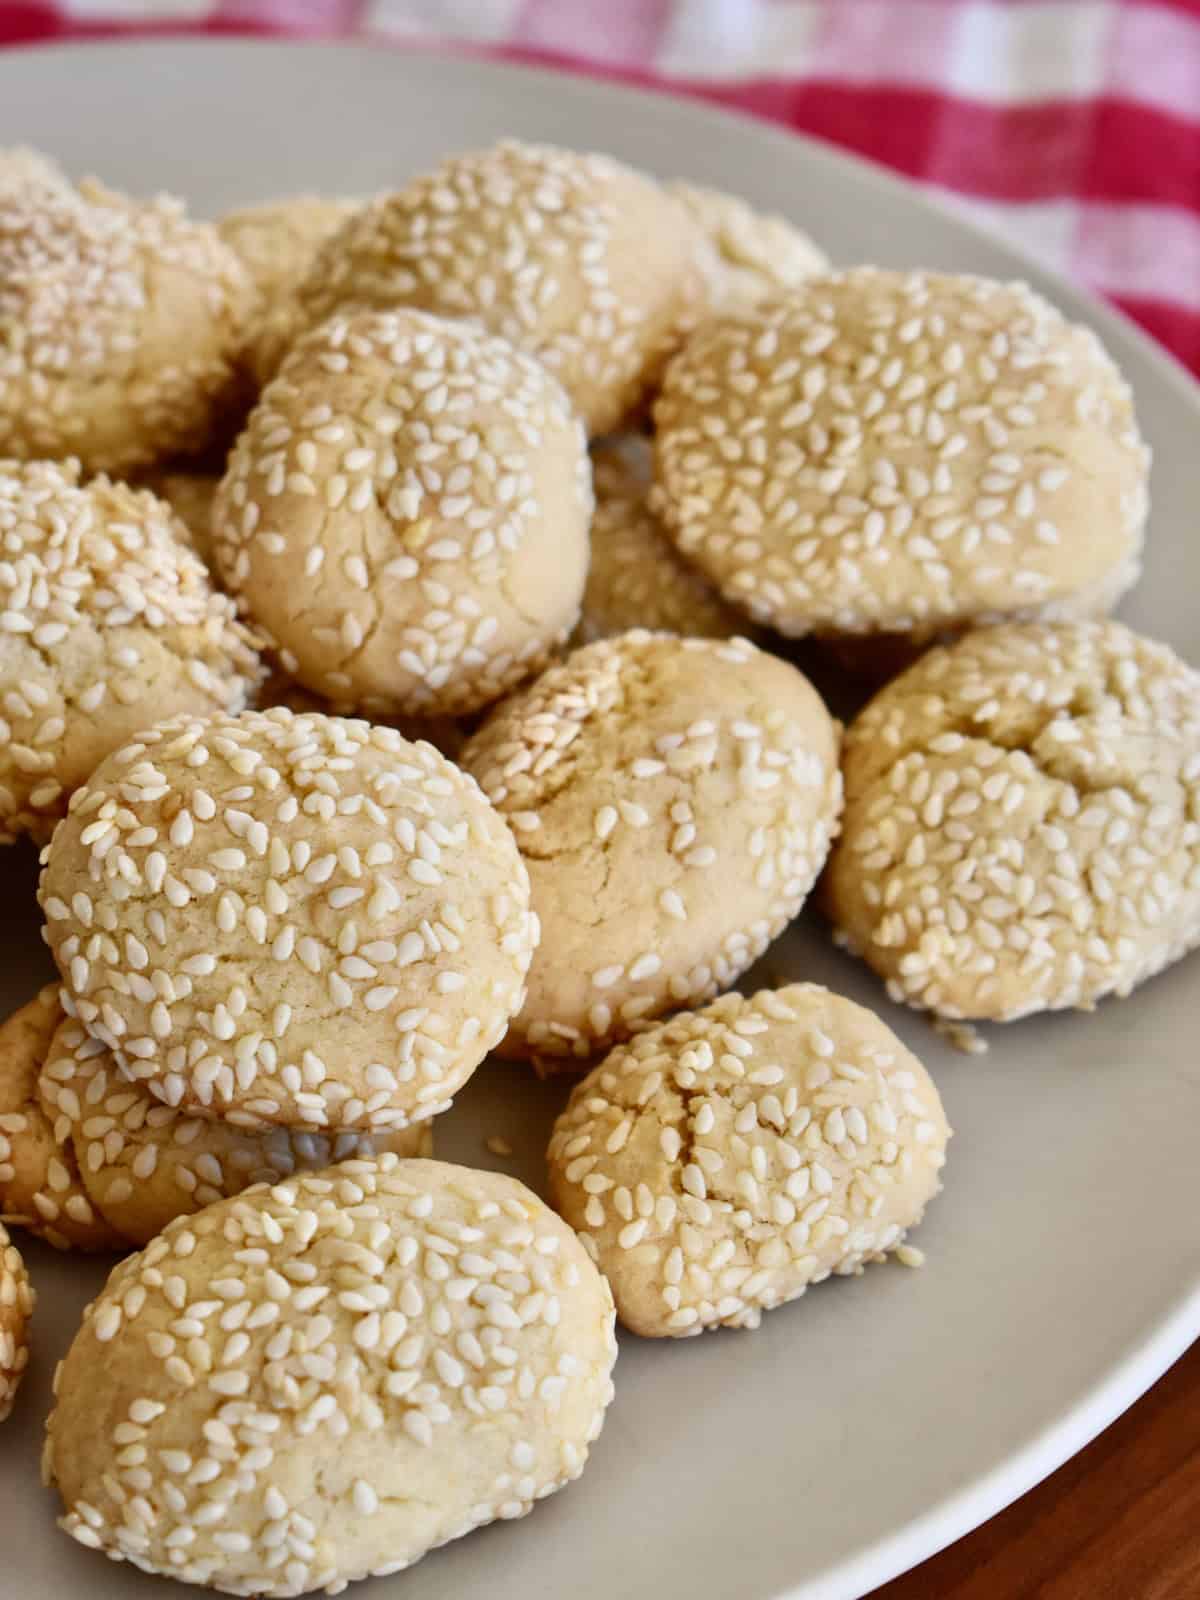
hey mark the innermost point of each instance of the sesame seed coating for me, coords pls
(276, 242)
(190, 497)
(636, 578)
(41, 1188)
(300, 920)
(588, 265)
(17, 1302)
(1022, 827)
(717, 1165)
(674, 800)
(120, 326)
(749, 255)
(23, 169)
(142, 1163)
(446, 734)
(406, 514)
(323, 1380)
(107, 622)
(894, 452)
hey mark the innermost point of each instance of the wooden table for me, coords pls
(1121, 1521)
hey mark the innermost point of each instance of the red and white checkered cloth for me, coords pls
(1073, 126)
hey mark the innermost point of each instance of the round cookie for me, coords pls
(1022, 825)
(323, 1380)
(190, 497)
(142, 1163)
(406, 514)
(16, 1308)
(636, 578)
(674, 800)
(41, 1189)
(288, 919)
(887, 452)
(107, 622)
(276, 243)
(583, 262)
(717, 1165)
(122, 323)
(750, 255)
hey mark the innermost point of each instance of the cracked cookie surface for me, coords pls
(749, 255)
(406, 514)
(1022, 824)
(330, 1377)
(889, 452)
(674, 800)
(301, 920)
(722, 1162)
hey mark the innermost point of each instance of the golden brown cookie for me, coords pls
(16, 1308)
(1022, 825)
(674, 800)
(717, 1165)
(302, 920)
(123, 325)
(891, 452)
(322, 1380)
(107, 623)
(406, 514)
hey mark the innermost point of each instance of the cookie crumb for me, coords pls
(498, 1145)
(961, 1036)
(909, 1256)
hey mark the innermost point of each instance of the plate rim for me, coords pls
(1147, 1358)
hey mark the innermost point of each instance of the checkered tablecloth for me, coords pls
(1073, 126)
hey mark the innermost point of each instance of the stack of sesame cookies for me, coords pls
(450, 709)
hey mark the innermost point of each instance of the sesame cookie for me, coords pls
(142, 1163)
(1022, 827)
(122, 325)
(107, 622)
(276, 243)
(16, 1308)
(896, 452)
(41, 1189)
(674, 800)
(446, 734)
(296, 920)
(717, 1165)
(749, 255)
(323, 1380)
(406, 514)
(588, 265)
(636, 578)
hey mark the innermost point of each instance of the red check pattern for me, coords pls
(1072, 126)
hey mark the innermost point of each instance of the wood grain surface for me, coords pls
(1121, 1521)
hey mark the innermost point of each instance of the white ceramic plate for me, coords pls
(875, 1420)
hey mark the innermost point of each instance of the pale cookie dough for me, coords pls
(41, 1189)
(277, 242)
(323, 1380)
(585, 263)
(142, 1164)
(406, 514)
(122, 325)
(190, 497)
(674, 800)
(296, 920)
(636, 578)
(1022, 827)
(749, 255)
(901, 452)
(16, 1308)
(722, 1162)
(107, 623)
